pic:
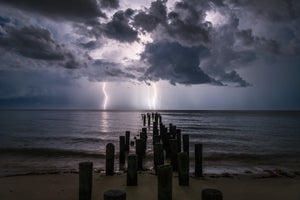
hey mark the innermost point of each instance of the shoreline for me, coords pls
(264, 173)
(65, 186)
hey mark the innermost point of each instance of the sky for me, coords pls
(139, 54)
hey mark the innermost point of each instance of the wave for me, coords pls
(48, 152)
(212, 128)
(195, 138)
(66, 139)
(245, 157)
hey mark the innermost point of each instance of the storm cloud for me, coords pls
(187, 42)
(37, 43)
(81, 10)
(175, 63)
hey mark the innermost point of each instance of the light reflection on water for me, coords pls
(228, 137)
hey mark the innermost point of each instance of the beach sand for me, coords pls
(65, 186)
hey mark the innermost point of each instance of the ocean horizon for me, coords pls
(235, 141)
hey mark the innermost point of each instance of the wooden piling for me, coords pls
(149, 120)
(114, 195)
(158, 156)
(164, 177)
(110, 156)
(122, 150)
(198, 160)
(173, 154)
(143, 137)
(127, 135)
(139, 151)
(85, 180)
(186, 143)
(144, 130)
(156, 139)
(178, 136)
(183, 169)
(211, 194)
(132, 170)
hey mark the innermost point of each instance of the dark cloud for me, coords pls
(175, 63)
(81, 10)
(233, 77)
(109, 3)
(94, 44)
(118, 28)
(4, 21)
(111, 70)
(275, 10)
(188, 34)
(248, 39)
(149, 21)
(186, 25)
(34, 42)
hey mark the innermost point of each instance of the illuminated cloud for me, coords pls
(188, 42)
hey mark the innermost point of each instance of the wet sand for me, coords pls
(65, 186)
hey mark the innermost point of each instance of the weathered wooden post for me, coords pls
(144, 120)
(183, 168)
(144, 130)
(127, 135)
(110, 156)
(156, 139)
(139, 152)
(132, 170)
(173, 154)
(148, 120)
(178, 135)
(186, 143)
(198, 160)
(85, 180)
(122, 148)
(143, 137)
(155, 131)
(211, 194)
(164, 177)
(170, 127)
(158, 156)
(114, 195)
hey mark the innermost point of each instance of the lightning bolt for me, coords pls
(105, 95)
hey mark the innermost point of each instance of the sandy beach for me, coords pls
(65, 186)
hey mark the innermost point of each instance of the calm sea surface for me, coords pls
(233, 141)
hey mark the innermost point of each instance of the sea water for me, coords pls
(34, 141)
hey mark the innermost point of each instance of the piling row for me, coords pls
(171, 154)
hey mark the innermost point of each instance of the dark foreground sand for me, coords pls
(65, 186)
